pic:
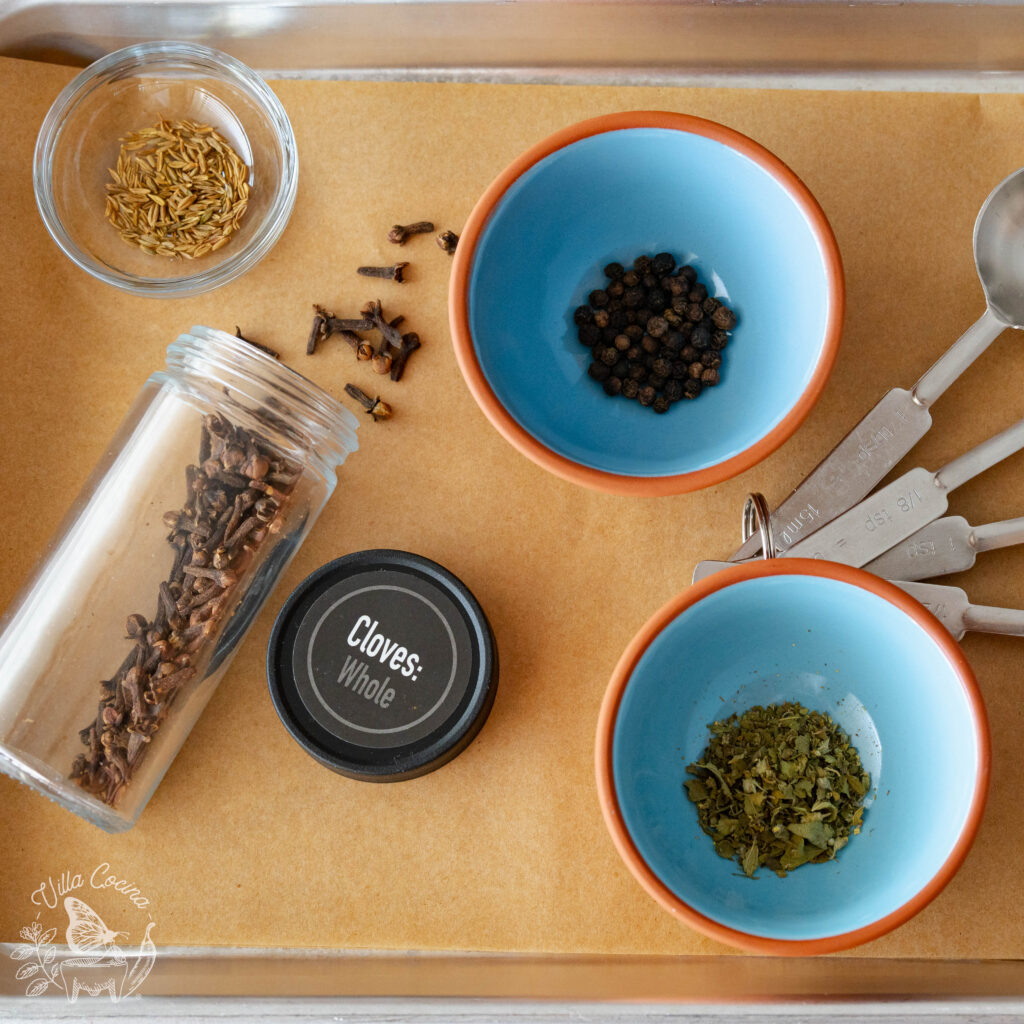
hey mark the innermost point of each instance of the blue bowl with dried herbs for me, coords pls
(739, 228)
(840, 643)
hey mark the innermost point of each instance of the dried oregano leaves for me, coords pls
(778, 787)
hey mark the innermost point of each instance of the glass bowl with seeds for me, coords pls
(166, 169)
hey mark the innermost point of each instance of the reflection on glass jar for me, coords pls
(113, 647)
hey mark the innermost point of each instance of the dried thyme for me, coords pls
(778, 787)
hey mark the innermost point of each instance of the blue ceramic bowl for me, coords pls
(610, 189)
(836, 640)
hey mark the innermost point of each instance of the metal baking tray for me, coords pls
(936, 45)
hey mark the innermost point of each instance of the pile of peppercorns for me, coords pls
(656, 335)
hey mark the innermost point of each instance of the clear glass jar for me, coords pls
(117, 641)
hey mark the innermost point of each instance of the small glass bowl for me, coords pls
(131, 89)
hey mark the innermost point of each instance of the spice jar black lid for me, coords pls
(382, 665)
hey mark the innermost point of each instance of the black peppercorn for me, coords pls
(663, 263)
(657, 327)
(673, 390)
(724, 318)
(701, 336)
(654, 331)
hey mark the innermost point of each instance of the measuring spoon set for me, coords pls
(896, 531)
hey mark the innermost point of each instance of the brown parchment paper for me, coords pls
(250, 842)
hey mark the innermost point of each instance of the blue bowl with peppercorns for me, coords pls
(751, 237)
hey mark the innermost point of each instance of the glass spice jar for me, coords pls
(115, 644)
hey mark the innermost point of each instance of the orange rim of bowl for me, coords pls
(606, 731)
(599, 479)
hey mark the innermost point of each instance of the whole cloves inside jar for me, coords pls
(113, 647)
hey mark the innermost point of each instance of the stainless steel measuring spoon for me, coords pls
(950, 544)
(902, 417)
(902, 507)
(950, 605)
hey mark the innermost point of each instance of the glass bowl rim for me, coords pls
(222, 66)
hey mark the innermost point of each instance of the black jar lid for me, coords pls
(382, 665)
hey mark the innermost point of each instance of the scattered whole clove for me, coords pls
(255, 344)
(394, 350)
(447, 241)
(400, 233)
(395, 273)
(410, 342)
(378, 409)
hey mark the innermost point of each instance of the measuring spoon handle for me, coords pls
(977, 460)
(998, 535)
(981, 618)
(957, 358)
